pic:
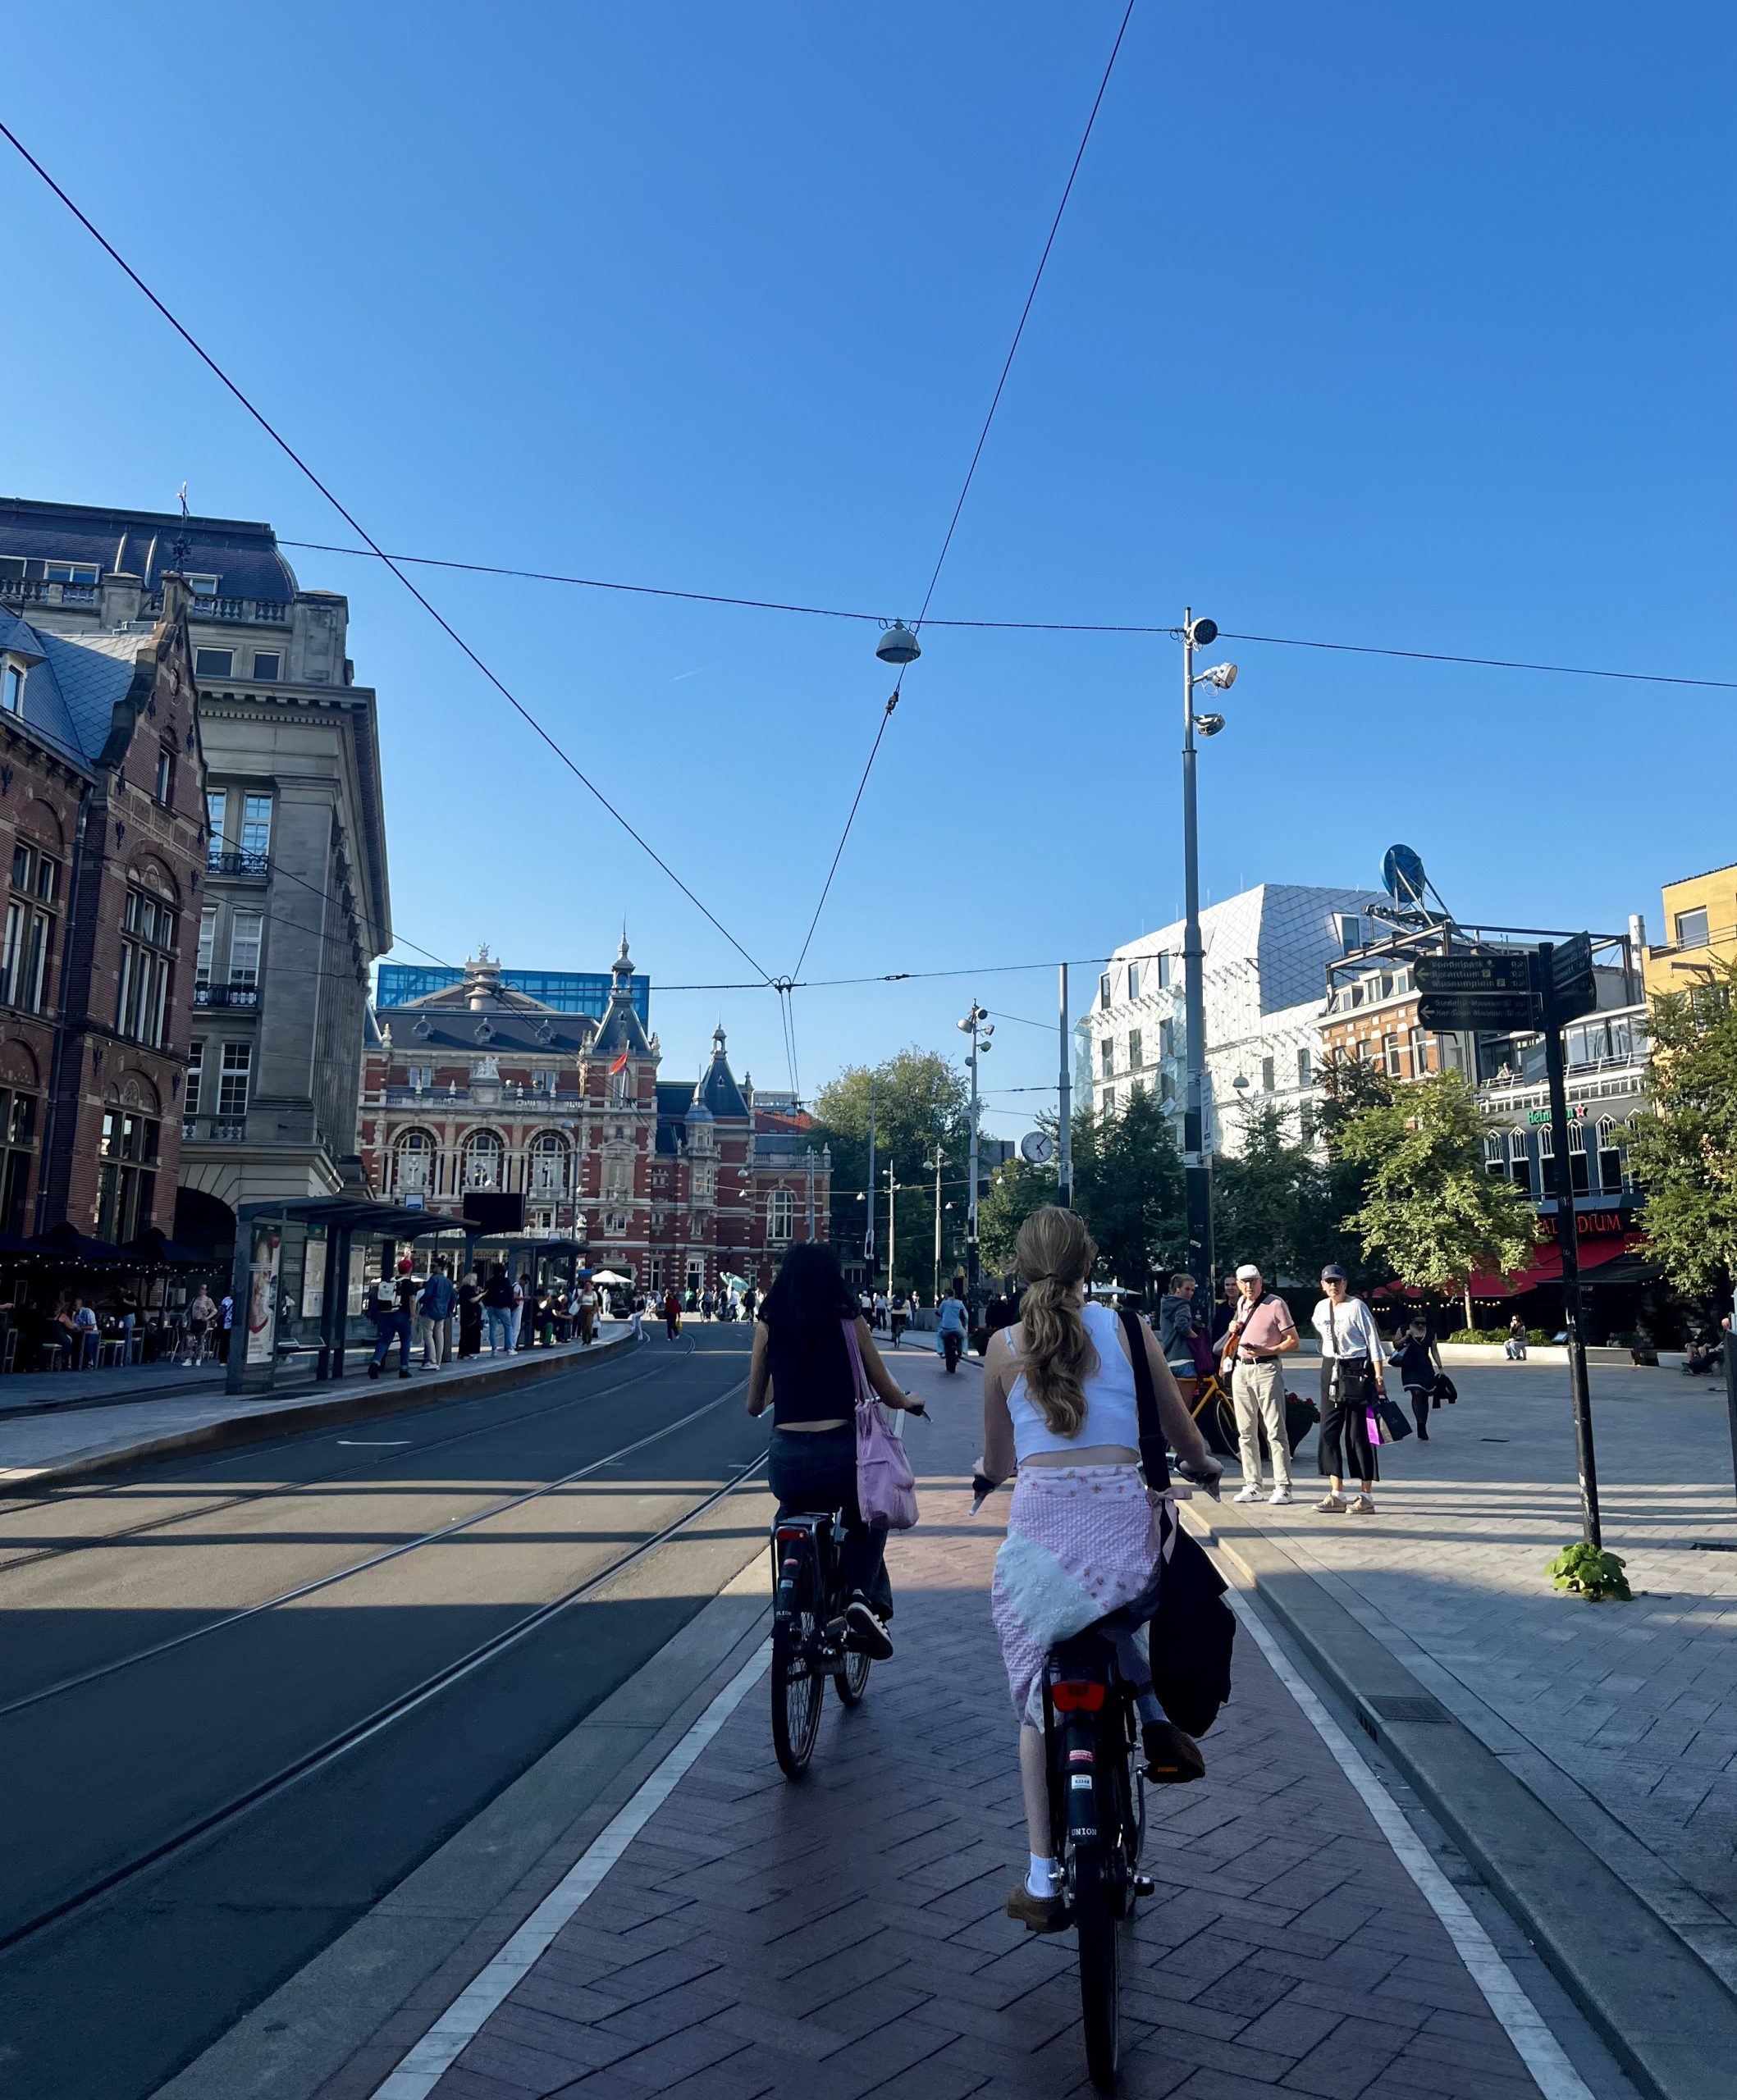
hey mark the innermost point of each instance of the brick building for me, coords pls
(475, 1089)
(102, 835)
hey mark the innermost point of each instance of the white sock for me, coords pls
(1041, 1878)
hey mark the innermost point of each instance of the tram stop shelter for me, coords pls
(301, 1278)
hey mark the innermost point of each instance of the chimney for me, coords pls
(119, 597)
(1637, 933)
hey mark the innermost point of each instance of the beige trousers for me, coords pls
(1258, 1392)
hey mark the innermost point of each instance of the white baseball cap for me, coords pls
(1246, 1271)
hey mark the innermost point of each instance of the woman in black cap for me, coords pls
(1350, 1385)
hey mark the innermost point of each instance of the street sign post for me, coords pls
(1482, 1012)
(1576, 988)
(1473, 975)
(1567, 1237)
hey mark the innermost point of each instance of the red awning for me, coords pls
(1545, 1264)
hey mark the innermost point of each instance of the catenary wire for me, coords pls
(362, 533)
(1139, 627)
(970, 472)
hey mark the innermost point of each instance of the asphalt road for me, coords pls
(220, 1739)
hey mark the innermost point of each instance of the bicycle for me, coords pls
(1098, 1814)
(809, 1635)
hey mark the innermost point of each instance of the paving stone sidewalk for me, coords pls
(1623, 1717)
(845, 1937)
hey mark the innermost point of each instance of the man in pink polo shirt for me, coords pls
(1261, 1334)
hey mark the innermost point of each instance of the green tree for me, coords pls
(1127, 1179)
(1429, 1210)
(1127, 1186)
(920, 1100)
(1261, 1196)
(1684, 1154)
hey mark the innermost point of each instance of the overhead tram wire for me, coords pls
(374, 547)
(1135, 627)
(971, 473)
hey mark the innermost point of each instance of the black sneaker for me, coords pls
(865, 1633)
(1172, 1758)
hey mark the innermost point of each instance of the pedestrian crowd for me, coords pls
(508, 1313)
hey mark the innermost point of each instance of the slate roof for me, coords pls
(717, 1089)
(73, 684)
(530, 1031)
(622, 1027)
(242, 555)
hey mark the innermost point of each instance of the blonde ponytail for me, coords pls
(1054, 1254)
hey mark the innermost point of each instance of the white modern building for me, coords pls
(1266, 957)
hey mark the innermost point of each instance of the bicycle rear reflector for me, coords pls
(1075, 1696)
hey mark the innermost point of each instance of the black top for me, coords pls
(1416, 1365)
(811, 1371)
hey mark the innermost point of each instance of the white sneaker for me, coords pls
(1248, 1495)
(1279, 1497)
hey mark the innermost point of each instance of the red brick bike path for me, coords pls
(845, 1936)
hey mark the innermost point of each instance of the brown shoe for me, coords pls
(1038, 1914)
(1173, 1759)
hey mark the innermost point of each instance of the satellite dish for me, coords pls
(1037, 1147)
(1402, 875)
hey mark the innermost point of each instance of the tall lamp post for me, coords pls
(978, 1029)
(937, 1163)
(1197, 1157)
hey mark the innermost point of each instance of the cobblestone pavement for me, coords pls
(846, 1936)
(1623, 1711)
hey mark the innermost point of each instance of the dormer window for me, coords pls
(202, 586)
(12, 686)
(422, 1031)
(71, 572)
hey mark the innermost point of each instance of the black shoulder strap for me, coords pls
(1154, 1455)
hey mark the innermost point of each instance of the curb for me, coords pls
(370, 1399)
(1665, 2017)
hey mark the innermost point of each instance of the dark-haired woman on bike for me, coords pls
(801, 1365)
(1060, 1402)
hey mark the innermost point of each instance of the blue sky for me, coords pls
(1409, 326)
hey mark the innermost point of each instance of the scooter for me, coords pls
(950, 1348)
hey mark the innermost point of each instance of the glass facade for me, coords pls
(568, 991)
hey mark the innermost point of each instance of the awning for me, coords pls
(63, 1242)
(158, 1250)
(1546, 1265)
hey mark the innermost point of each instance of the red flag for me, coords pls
(620, 1064)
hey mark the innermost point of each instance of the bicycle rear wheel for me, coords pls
(853, 1677)
(1100, 1993)
(797, 1690)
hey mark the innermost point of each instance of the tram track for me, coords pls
(288, 1490)
(335, 1576)
(344, 1741)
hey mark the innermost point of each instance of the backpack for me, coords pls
(498, 1295)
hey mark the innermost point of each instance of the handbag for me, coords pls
(1394, 1425)
(1194, 1630)
(886, 1487)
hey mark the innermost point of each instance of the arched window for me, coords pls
(1492, 1152)
(483, 1160)
(1520, 1159)
(549, 1166)
(1610, 1156)
(1579, 1180)
(415, 1164)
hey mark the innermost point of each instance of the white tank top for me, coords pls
(1111, 1409)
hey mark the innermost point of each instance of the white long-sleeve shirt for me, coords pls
(1348, 1330)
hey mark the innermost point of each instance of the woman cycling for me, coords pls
(802, 1365)
(1059, 1402)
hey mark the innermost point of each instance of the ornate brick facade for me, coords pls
(481, 1090)
(102, 843)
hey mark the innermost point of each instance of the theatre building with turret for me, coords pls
(552, 1126)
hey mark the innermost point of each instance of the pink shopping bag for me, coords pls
(886, 1488)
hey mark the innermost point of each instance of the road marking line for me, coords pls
(1538, 2049)
(425, 2065)
(371, 1443)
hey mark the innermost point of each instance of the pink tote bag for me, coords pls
(886, 1488)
